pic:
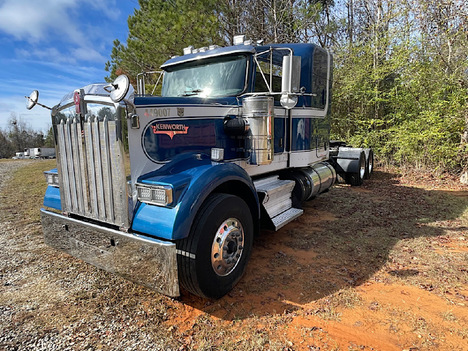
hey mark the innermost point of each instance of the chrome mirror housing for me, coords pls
(288, 101)
(290, 82)
(32, 99)
(119, 88)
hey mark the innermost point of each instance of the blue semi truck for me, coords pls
(169, 191)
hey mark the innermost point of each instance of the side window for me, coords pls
(319, 78)
(260, 84)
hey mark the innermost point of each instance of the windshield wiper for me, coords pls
(192, 92)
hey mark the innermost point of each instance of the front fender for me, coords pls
(52, 198)
(52, 195)
(174, 223)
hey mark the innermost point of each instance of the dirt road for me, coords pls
(380, 267)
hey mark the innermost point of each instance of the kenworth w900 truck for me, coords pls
(170, 190)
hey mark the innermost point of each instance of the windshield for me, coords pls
(218, 76)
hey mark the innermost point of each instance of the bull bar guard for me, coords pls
(144, 260)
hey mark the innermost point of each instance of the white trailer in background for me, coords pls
(39, 152)
(43, 152)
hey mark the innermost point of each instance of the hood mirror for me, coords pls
(32, 100)
(119, 88)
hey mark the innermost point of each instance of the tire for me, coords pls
(369, 163)
(212, 259)
(357, 178)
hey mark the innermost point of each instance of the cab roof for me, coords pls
(298, 49)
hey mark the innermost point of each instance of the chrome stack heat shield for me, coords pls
(258, 112)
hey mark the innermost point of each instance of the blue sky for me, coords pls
(54, 46)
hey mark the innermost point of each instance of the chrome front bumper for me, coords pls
(144, 260)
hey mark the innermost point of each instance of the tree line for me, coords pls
(19, 136)
(400, 67)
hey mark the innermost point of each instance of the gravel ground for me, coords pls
(51, 301)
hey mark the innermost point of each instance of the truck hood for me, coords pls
(141, 101)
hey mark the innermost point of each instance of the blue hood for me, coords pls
(184, 101)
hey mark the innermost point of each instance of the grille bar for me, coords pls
(96, 150)
(91, 170)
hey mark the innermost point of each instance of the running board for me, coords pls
(277, 200)
(277, 192)
(287, 216)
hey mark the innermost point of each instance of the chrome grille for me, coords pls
(91, 169)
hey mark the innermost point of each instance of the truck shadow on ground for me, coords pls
(344, 237)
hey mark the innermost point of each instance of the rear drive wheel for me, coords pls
(369, 163)
(212, 259)
(357, 178)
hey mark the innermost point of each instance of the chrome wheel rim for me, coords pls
(227, 248)
(371, 165)
(362, 169)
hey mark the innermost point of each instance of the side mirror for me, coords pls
(32, 99)
(291, 80)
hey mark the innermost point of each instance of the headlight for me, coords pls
(52, 179)
(160, 195)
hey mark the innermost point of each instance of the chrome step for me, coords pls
(285, 217)
(277, 192)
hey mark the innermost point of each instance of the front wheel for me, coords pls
(212, 259)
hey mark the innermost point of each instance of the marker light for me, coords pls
(239, 39)
(217, 154)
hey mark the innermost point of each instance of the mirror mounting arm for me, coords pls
(32, 101)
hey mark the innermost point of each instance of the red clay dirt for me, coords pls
(329, 280)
